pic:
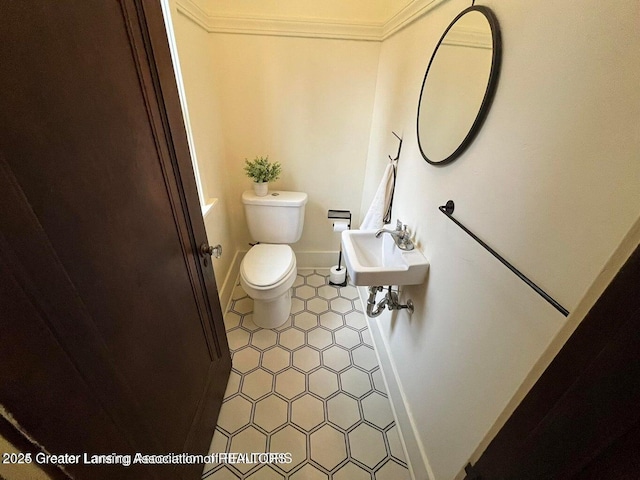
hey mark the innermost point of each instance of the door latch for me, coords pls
(206, 249)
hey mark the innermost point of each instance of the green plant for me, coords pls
(261, 170)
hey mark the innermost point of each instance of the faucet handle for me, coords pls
(399, 225)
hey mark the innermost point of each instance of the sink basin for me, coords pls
(378, 261)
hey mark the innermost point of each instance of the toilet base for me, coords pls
(273, 313)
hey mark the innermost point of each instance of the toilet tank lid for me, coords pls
(275, 198)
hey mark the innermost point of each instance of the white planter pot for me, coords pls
(261, 188)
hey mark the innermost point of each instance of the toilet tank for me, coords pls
(278, 217)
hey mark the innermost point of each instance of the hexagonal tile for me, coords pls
(265, 473)
(219, 442)
(237, 338)
(323, 382)
(331, 320)
(275, 359)
(222, 473)
(290, 440)
(317, 305)
(306, 359)
(234, 414)
(336, 358)
(366, 337)
(316, 280)
(308, 472)
(287, 323)
(264, 338)
(290, 383)
(355, 382)
(343, 411)
(347, 338)
(328, 447)
(376, 410)
(244, 305)
(349, 292)
(233, 384)
(248, 440)
(328, 292)
(305, 320)
(364, 357)
(351, 471)
(378, 381)
(307, 412)
(298, 281)
(341, 305)
(305, 292)
(319, 338)
(231, 320)
(238, 292)
(248, 324)
(395, 446)
(291, 338)
(257, 384)
(297, 305)
(367, 445)
(245, 359)
(392, 471)
(271, 412)
(355, 320)
(305, 272)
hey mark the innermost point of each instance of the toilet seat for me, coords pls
(265, 265)
(275, 266)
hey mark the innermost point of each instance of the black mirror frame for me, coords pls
(492, 83)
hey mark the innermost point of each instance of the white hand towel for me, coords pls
(373, 220)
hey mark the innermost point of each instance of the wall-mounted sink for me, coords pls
(378, 261)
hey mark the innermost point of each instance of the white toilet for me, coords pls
(268, 270)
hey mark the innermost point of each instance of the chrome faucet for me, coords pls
(400, 235)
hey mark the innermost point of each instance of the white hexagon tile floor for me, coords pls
(311, 387)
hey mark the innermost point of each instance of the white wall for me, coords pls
(308, 104)
(205, 119)
(552, 182)
(304, 102)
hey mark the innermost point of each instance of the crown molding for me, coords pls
(407, 15)
(467, 37)
(305, 27)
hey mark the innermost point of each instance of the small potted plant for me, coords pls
(262, 171)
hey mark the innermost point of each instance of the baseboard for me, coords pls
(409, 437)
(226, 291)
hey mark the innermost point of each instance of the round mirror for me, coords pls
(459, 85)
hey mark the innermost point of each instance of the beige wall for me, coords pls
(552, 182)
(205, 119)
(306, 103)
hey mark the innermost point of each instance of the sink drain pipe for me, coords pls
(390, 301)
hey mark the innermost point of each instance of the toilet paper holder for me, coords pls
(336, 273)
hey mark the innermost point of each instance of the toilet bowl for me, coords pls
(267, 274)
(268, 270)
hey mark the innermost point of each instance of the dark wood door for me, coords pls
(112, 333)
(581, 420)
